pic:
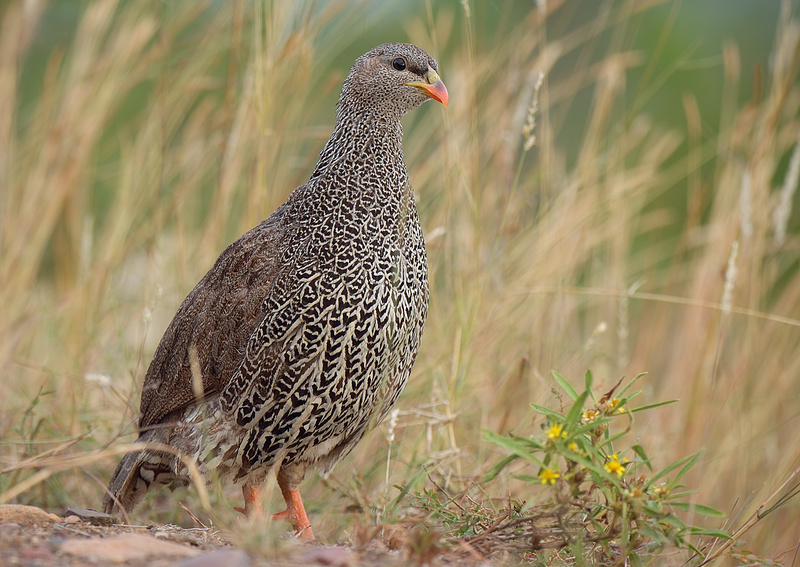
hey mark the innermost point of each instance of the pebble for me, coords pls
(25, 516)
(125, 547)
(33, 554)
(219, 558)
(329, 557)
(91, 516)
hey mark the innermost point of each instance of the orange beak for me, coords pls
(433, 87)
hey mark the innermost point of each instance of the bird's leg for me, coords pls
(252, 501)
(295, 511)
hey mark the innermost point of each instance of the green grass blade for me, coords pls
(721, 534)
(639, 450)
(699, 509)
(548, 413)
(511, 445)
(405, 489)
(575, 412)
(630, 384)
(651, 406)
(688, 461)
(566, 386)
(689, 464)
(498, 468)
(587, 380)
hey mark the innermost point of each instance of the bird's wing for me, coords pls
(208, 336)
(325, 358)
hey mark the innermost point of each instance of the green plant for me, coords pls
(601, 499)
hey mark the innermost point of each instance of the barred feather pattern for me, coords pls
(305, 331)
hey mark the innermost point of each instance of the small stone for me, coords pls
(179, 536)
(9, 529)
(31, 554)
(25, 516)
(329, 557)
(125, 548)
(91, 516)
(219, 558)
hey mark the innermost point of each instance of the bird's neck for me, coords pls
(359, 138)
(361, 169)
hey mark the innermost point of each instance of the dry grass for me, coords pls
(164, 130)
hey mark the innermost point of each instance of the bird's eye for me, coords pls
(399, 64)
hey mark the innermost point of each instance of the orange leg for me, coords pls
(295, 511)
(252, 502)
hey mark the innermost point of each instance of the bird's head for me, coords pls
(393, 78)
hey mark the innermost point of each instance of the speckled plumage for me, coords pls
(304, 332)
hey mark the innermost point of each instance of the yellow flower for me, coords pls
(555, 431)
(661, 491)
(573, 447)
(549, 475)
(614, 466)
(590, 415)
(613, 405)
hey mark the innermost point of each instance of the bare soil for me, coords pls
(32, 537)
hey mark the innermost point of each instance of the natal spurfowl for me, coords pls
(303, 333)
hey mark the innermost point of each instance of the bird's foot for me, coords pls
(300, 523)
(252, 502)
(295, 512)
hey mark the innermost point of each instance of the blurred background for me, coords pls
(641, 216)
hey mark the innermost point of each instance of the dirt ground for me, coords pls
(30, 536)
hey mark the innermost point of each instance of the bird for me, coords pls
(303, 334)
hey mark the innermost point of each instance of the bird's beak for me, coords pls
(432, 87)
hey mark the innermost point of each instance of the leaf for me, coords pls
(698, 508)
(673, 521)
(651, 406)
(528, 478)
(547, 412)
(639, 450)
(630, 384)
(678, 495)
(576, 410)
(650, 533)
(405, 489)
(692, 548)
(589, 426)
(632, 396)
(722, 534)
(596, 469)
(655, 509)
(587, 380)
(691, 462)
(566, 386)
(691, 459)
(511, 445)
(498, 468)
